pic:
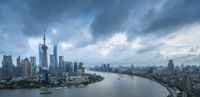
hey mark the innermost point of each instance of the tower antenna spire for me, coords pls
(44, 37)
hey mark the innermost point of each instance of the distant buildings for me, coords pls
(170, 66)
(75, 67)
(71, 69)
(105, 67)
(7, 67)
(81, 67)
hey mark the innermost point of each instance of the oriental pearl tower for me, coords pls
(44, 53)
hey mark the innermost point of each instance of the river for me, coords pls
(111, 86)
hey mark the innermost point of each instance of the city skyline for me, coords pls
(106, 48)
(141, 33)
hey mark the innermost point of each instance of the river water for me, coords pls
(113, 85)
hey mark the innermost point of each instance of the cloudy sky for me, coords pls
(119, 32)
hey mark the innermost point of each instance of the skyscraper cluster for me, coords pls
(28, 68)
(103, 67)
(72, 68)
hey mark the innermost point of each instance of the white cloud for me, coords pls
(137, 43)
(54, 31)
(119, 39)
(188, 35)
(65, 45)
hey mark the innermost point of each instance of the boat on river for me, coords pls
(44, 90)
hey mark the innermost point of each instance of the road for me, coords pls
(172, 91)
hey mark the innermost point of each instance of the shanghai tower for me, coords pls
(55, 55)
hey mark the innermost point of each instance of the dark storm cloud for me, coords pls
(37, 14)
(109, 15)
(34, 15)
(173, 14)
(46, 13)
(112, 17)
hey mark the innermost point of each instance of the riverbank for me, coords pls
(170, 90)
(110, 86)
(27, 84)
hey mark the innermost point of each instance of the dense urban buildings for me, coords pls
(52, 73)
(180, 80)
(26, 68)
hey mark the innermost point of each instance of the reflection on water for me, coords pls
(127, 86)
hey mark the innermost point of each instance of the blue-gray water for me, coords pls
(127, 86)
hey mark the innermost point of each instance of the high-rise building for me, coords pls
(0, 73)
(26, 68)
(44, 53)
(67, 66)
(81, 67)
(132, 67)
(33, 66)
(56, 57)
(75, 67)
(40, 55)
(182, 66)
(18, 66)
(71, 68)
(44, 67)
(52, 64)
(171, 66)
(7, 67)
(108, 67)
(33, 61)
(61, 64)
